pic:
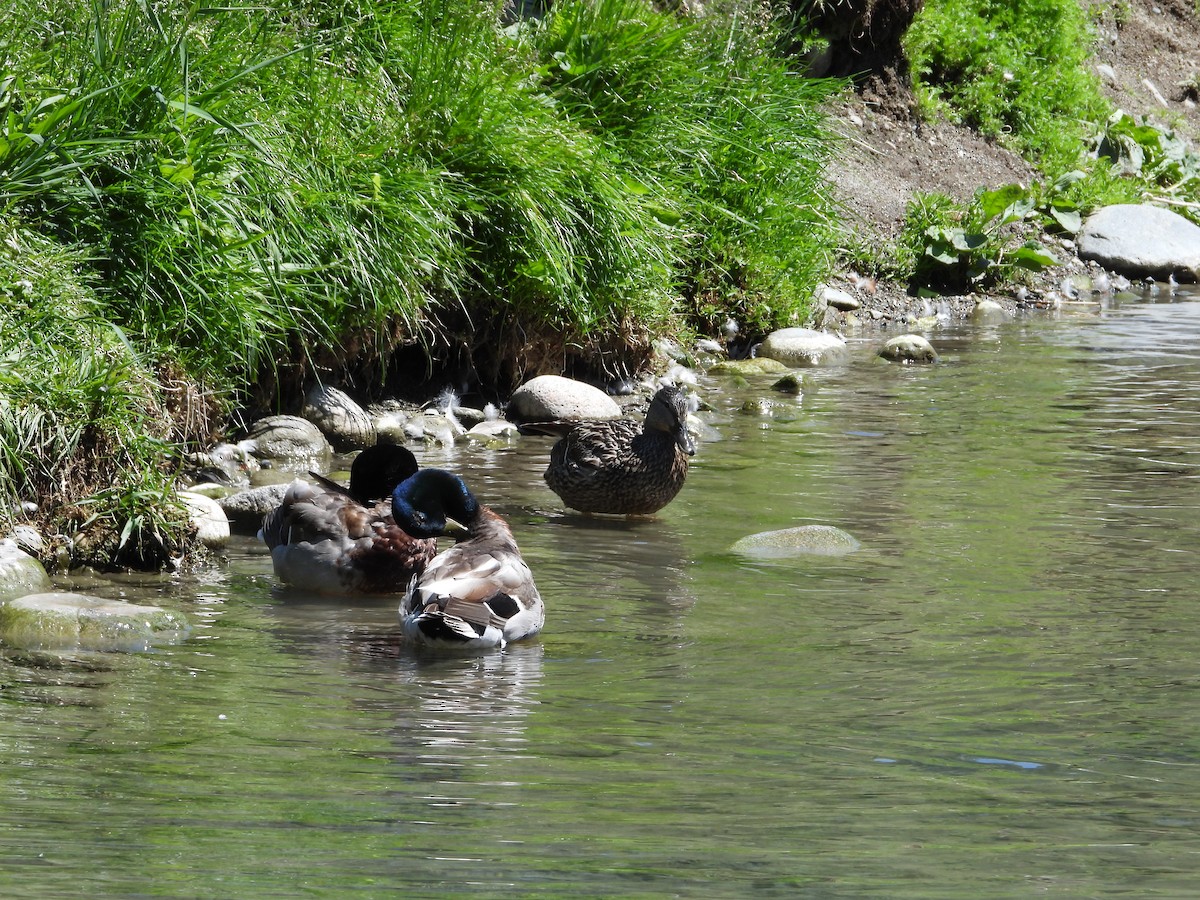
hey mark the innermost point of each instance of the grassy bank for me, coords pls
(205, 208)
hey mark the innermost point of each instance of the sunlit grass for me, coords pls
(248, 197)
(1015, 71)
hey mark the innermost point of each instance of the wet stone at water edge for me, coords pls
(59, 620)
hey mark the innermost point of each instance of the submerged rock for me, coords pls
(759, 365)
(493, 431)
(909, 348)
(59, 620)
(788, 384)
(813, 540)
(989, 312)
(797, 347)
(434, 426)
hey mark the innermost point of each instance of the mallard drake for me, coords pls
(477, 594)
(335, 540)
(621, 466)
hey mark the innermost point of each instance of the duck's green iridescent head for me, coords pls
(432, 503)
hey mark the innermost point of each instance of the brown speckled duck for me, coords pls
(621, 466)
(335, 540)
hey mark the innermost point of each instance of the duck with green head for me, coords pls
(477, 594)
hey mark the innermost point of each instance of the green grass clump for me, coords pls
(722, 138)
(84, 431)
(1015, 70)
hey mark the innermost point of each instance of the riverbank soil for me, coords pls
(1148, 59)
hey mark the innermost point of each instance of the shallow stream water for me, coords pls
(997, 696)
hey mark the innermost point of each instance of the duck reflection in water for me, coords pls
(455, 708)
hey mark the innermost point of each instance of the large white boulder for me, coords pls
(208, 518)
(1139, 239)
(554, 398)
(802, 347)
(20, 573)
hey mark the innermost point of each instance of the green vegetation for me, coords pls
(204, 207)
(982, 245)
(1015, 71)
(1020, 73)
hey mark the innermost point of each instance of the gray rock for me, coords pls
(840, 299)
(909, 348)
(29, 539)
(434, 427)
(226, 463)
(341, 420)
(56, 620)
(20, 573)
(757, 406)
(746, 367)
(290, 442)
(813, 540)
(469, 416)
(208, 518)
(389, 420)
(989, 312)
(245, 509)
(493, 430)
(1138, 240)
(554, 398)
(797, 347)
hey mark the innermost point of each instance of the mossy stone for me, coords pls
(813, 540)
(60, 620)
(744, 367)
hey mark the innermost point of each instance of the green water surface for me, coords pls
(997, 696)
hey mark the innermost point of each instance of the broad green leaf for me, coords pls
(967, 241)
(1068, 219)
(995, 203)
(1067, 179)
(942, 253)
(1033, 256)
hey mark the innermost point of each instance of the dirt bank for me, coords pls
(1148, 60)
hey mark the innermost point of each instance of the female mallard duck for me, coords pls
(335, 540)
(479, 593)
(621, 466)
